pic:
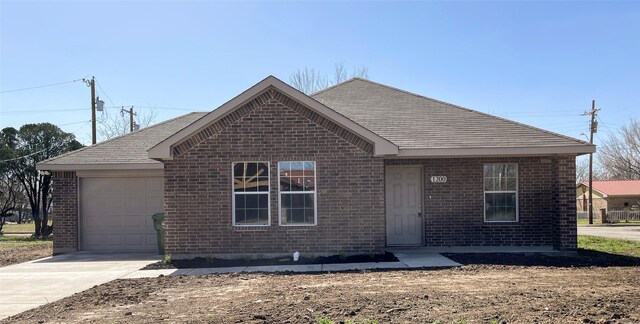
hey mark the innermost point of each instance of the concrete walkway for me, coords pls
(625, 232)
(476, 249)
(407, 259)
(28, 285)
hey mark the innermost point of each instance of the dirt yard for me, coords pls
(471, 294)
(20, 248)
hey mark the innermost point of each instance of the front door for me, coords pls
(404, 205)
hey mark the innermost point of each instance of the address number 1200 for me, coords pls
(439, 179)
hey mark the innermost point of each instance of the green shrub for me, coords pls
(167, 259)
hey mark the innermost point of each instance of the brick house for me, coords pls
(354, 168)
(609, 194)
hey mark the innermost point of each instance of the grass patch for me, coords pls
(8, 242)
(586, 221)
(609, 245)
(19, 228)
(596, 221)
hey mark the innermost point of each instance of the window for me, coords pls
(250, 193)
(501, 192)
(297, 191)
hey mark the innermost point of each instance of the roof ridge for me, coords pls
(338, 112)
(627, 180)
(457, 107)
(335, 85)
(118, 137)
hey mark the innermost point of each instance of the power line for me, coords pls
(84, 121)
(163, 108)
(81, 127)
(508, 115)
(38, 111)
(47, 110)
(104, 92)
(24, 156)
(41, 86)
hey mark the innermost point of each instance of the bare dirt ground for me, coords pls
(472, 293)
(19, 254)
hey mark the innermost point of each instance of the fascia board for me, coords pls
(496, 151)
(104, 166)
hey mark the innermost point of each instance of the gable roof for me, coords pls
(124, 152)
(381, 145)
(615, 188)
(421, 126)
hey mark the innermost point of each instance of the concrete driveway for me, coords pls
(31, 284)
(625, 232)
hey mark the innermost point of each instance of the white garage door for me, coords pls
(116, 213)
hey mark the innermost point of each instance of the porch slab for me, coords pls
(419, 258)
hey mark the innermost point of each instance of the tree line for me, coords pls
(22, 187)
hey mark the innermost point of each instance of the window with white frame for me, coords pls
(501, 192)
(297, 193)
(250, 193)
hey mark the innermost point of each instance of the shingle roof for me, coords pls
(127, 149)
(616, 187)
(399, 123)
(412, 121)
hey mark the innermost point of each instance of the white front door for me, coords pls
(404, 205)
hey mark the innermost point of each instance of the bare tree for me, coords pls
(619, 155)
(9, 192)
(311, 80)
(113, 124)
(582, 170)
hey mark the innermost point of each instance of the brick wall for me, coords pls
(621, 203)
(565, 231)
(454, 211)
(272, 127)
(64, 212)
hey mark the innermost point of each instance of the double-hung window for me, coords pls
(250, 193)
(501, 192)
(297, 193)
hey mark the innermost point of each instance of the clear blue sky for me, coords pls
(539, 63)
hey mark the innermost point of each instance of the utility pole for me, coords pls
(92, 84)
(593, 128)
(131, 114)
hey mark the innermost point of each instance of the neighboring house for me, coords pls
(354, 168)
(610, 195)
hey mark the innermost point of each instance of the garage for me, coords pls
(115, 213)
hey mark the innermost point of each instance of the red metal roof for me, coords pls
(616, 187)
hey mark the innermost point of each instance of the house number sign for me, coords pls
(439, 179)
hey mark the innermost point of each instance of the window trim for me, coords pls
(315, 196)
(517, 192)
(233, 196)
